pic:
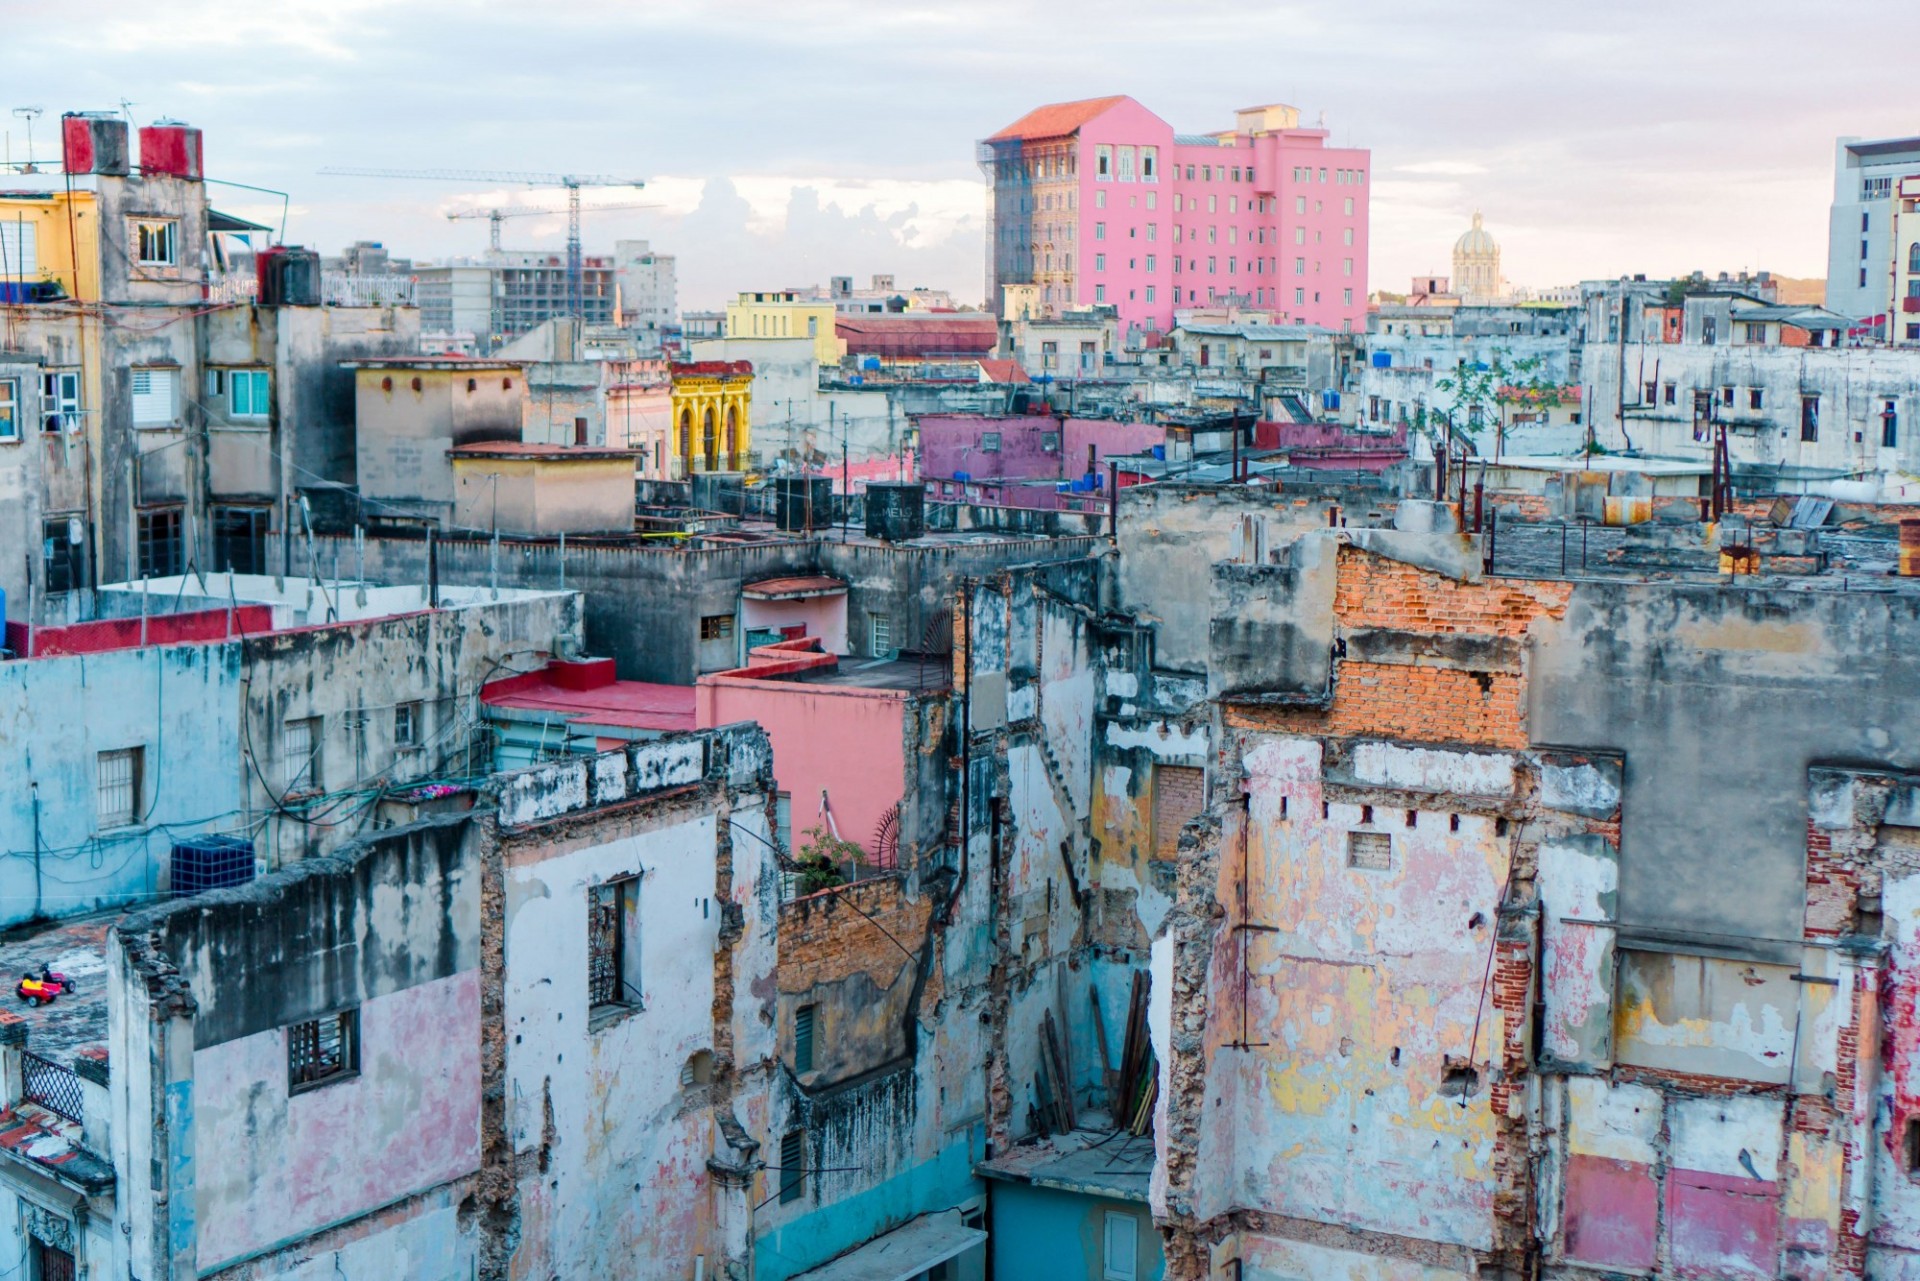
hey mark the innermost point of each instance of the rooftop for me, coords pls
(59, 1030)
(538, 451)
(585, 693)
(1095, 1161)
(1056, 120)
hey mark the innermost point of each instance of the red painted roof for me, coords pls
(631, 704)
(971, 334)
(1056, 120)
(1004, 371)
(693, 367)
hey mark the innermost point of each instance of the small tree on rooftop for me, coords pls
(1487, 389)
(821, 857)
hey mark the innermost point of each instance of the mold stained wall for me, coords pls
(251, 1169)
(1372, 979)
(612, 1146)
(177, 703)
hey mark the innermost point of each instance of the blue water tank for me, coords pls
(963, 477)
(1383, 360)
(1160, 452)
(871, 362)
(202, 863)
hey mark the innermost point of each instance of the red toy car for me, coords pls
(37, 989)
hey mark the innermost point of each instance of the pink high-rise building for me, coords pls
(1101, 201)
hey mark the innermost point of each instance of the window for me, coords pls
(1372, 851)
(406, 725)
(156, 242)
(247, 394)
(793, 1166)
(9, 409)
(1099, 293)
(60, 400)
(1099, 262)
(1153, 231)
(1100, 198)
(1103, 162)
(117, 786)
(1755, 398)
(159, 542)
(783, 803)
(1726, 396)
(1346, 296)
(1809, 418)
(1149, 168)
(1050, 442)
(1299, 235)
(1125, 159)
(1299, 266)
(613, 944)
(1152, 261)
(1347, 267)
(1672, 394)
(1120, 1257)
(1213, 204)
(990, 440)
(803, 1039)
(1099, 231)
(1913, 256)
(240, 539)
(1149, 293)
(63, 553)
(1299, 295)
(18, 255)
(879, 635)
(1889, 423)
(153, 397)
(322, 1050)
(714, 627)
(300, 754)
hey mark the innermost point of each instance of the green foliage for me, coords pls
(821, 857)
(1483, 395)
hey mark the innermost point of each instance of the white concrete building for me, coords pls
(1860, 232)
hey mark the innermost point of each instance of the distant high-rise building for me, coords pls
(1101, 202)
(1860, 250)
(648, 289)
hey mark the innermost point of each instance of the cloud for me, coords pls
(815, 137)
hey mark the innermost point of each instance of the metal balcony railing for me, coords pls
(53, 1087)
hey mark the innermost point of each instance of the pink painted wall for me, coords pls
(271, 1167)
(848, 742)
(822, 616)
(1246, 226)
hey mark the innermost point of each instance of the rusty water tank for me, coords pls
(1910, 548)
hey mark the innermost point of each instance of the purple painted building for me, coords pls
(1100, 201)
(1019, 461)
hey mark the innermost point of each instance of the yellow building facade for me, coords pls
(51, 237)
(785, 314)
(712, 402)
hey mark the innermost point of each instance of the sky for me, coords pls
(784, 142)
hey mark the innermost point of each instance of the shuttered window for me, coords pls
(118, 784)
(155, 402)
(19, 249)
(793, 1166)
(803, 1039)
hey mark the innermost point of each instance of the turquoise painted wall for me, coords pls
(181, 703)
(1039, 1234)
(939, 1184)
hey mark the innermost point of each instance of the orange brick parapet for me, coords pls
(1421, 703)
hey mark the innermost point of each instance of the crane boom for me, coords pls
(495, 217)
(576, 303)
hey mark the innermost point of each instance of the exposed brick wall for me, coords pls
(1833, 887)
(835, 934)
(1377, 592)
(1179, 793)
(1421, 704)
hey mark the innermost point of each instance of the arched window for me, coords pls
(1913, 256)
(710, 442)
(686, 436)
(733, 440)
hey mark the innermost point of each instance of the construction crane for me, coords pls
(495, 216)
(571, 181)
